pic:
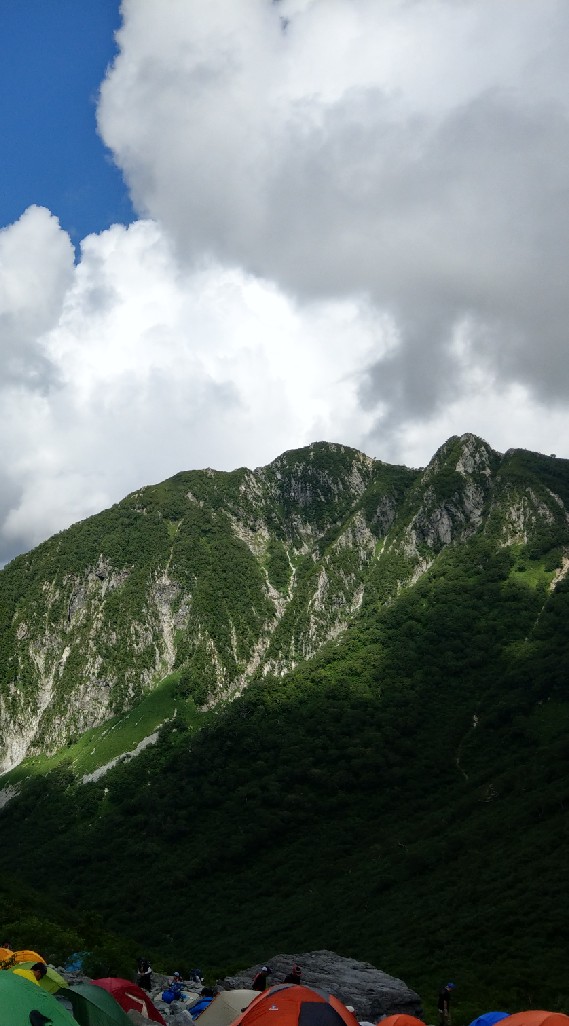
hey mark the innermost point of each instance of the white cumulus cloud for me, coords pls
(153, 368)
(410, 152)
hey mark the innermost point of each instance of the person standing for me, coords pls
(443, 1004)
(294, 975)
(260, 981)
(144, 974)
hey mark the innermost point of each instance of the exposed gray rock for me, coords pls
(137, 1017)
(179, 1017)
(371, 992)
(176, 1017)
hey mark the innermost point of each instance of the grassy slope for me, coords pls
(119, 735)
(355, 805)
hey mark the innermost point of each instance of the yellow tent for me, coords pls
(27, 974)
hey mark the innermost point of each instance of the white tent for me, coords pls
(226, 1006)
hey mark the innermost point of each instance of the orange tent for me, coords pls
(400, 1020)
(27, 956)
(295, 1005)
(536, 1018)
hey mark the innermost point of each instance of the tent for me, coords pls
(537, 1018)
(51, 982)
(27, 956)
(402, 1019)
(19, 998)
(9, 958)
(75, 961)
(489, 1018)
(131, 996)
(226, 1006)
(199, 1006)
(94, 1006)
(291, 1004)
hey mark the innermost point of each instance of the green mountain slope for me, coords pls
(401, 795)
(211, 575)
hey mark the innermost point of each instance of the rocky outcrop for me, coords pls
(369, 991)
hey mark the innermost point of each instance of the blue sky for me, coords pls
(53, 58)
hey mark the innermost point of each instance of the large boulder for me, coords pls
(369, 991)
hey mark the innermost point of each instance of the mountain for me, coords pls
(229, 576)
(389, 779)
(221, 575)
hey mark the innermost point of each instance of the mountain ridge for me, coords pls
(223, 576)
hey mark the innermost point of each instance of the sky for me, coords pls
(230, 229)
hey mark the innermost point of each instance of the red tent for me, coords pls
(128, 996)
(536, 1018)
(294, 1005)
(402, 1019)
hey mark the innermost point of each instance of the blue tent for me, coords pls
(489, 1018)
(75, 962)
(200, 1006)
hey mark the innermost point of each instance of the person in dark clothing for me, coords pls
(443, 1004)
(260, 981)
(294, 975)
(144, 973)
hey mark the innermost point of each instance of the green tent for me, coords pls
(93, 1006)
(19, 997)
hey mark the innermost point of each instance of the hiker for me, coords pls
(260, 981)
(144, 974)
(443, 1004)
(294, 975)
(176, 987)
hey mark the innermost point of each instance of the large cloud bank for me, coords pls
(354, 226)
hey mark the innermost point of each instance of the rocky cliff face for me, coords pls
(220, 577)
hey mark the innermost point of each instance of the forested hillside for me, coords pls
(401, 796)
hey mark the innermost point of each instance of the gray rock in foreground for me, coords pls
(368, 990)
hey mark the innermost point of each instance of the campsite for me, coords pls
(63, 996)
